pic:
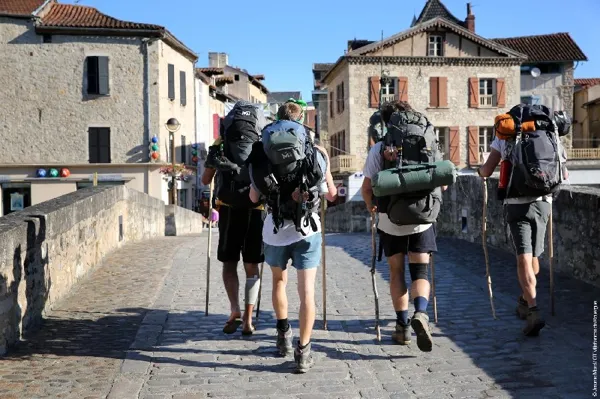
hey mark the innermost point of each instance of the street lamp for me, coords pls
(172, 126)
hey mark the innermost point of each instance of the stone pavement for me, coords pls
(136, 328)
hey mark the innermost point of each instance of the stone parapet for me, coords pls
(45, 249)
(180, 221)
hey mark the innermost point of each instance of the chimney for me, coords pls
(470, 20)
(217, 60)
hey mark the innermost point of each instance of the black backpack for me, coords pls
(535, 156)
(283, 161)
(414, 137)
(239, 131)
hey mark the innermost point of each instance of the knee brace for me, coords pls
(252, 287)
(418, 271)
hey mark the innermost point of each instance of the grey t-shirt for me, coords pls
(374, 165)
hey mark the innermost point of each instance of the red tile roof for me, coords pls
(259, 77)
(211, 71)
(74, 16)
(545, 48)
(19, 7)
(223, 79)
(587, 82)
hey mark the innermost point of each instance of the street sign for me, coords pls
(342, 191)
(108, 177)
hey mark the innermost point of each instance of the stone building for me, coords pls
(88, 93)
(586, 118)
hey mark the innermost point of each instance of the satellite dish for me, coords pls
(535, 72)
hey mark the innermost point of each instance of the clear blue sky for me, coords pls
(283, 39)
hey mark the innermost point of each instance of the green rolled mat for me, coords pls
(413, 178)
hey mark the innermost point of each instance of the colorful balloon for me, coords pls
(194, 153)
(195, 159)
(53, 172)
(155, 139)
(194, 146)
(155, 155)
(41, 173)
(154, 147)
(64, 172)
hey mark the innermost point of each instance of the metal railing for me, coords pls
(583, 153)
(388, 98)
(343, 164)
(486, 101)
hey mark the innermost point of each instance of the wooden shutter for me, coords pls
(92, 75)
(403, 88)
(443, 91)
(103, 85)
(374, 87)
(104, 145)
(171, 82)
(93, 144)
(473, 145)
(332, 102)
(342, 96)
(500, 93)
(434, 92)
(473, 93)
(183, 150)
(182, 88)
(454, 145)
(216, 126)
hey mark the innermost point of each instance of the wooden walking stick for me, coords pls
(262, 267)
(324, 261)
(433, 287)
(373, 263)
(551, 249)
(210, 209)
(484, 243)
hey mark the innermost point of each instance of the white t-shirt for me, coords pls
(287, 234)
(374, 165)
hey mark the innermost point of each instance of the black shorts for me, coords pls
(240, 231)
(423, 243)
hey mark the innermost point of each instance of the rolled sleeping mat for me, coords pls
(413, 178)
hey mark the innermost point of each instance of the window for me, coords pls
(331, 106)
(435, 48)
(388, 90)
(338, 144)
(99, 144)
(487, 89)
(97, 75)
(442, 134)
(530, 100)
(47, 38)
(485, 139)
(236, 77)
(183, 150)
(182, 88)
(340, 98)
(171, 82)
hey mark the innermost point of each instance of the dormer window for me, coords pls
(435, 48)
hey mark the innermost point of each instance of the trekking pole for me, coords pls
(262, 266)
(551, 245)
(209, 246)
(324, 261)
(373, 263)
(484, 243)
(433, 288)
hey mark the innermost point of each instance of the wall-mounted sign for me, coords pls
(17, 202)
(342, 191)
(107, 177)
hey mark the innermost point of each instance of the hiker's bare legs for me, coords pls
(232, 287)
(398, 289)
(306, 291)
(527, 280)
(419, 287)
(251, 272)
(279, 296)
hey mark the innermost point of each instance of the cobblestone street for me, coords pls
(136, 328)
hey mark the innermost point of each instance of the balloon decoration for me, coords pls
(64, 172)
(195, 160)
(53, 172)
(194, 146)
(154, 149)
(41, 173)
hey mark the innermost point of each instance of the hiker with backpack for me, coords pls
(400, 175)
(532, 167)
(240, 220)
(290, 172)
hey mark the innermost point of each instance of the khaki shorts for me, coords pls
(527, 224)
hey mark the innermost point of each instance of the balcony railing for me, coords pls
(583, 153)
(388, 98)
(343, 164)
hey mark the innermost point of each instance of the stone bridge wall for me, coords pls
(47, 248)
(180, 221)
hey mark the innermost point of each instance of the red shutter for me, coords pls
(443, 91)
(433, 92)
(374, 87)
(403, 88)
(216, 126)
(473, 93)
(500, 93)
(454, 145)
(473, 145)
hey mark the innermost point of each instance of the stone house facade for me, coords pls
(586, 118)
(243, 85)
(88, 93)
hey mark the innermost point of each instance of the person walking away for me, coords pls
(240, 220)
(405, 229)
(528, 208)
(289, 171)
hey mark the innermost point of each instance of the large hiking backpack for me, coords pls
(240, 129)
(537, 168)
(414, 137)
(285, 160)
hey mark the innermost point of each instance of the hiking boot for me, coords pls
(402, 334)
(420, 324)
(534, 323)
(522, 308)
(303, 358)
(284, 342)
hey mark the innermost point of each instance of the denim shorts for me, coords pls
(305, 254)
